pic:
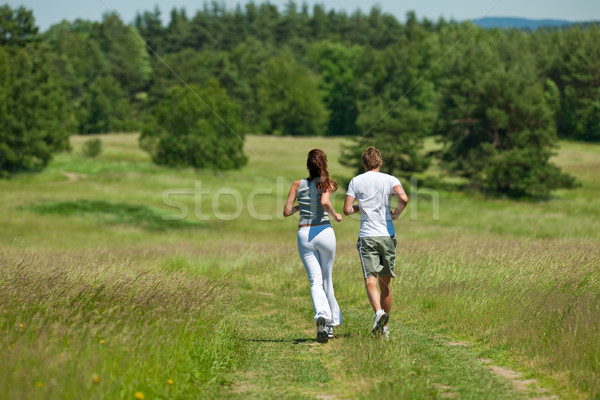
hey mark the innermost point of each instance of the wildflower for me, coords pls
(102, 341)
(39, 384)
(139, 395)
(95, 378)
(170, 381)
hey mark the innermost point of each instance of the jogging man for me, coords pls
(377, 238)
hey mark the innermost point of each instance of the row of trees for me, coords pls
(495, 99)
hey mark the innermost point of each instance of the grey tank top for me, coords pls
(309, 199)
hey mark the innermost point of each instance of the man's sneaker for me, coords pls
(322, 336)
(381, 318)
(329, 331)
(386, 333)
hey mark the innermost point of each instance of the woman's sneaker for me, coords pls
(322, 336)
(329, 331)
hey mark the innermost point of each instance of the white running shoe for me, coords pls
(386, 333)
(381, 318)
(329, 331)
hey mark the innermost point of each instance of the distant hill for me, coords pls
(521, 23)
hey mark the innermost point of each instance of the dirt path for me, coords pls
(283, 360)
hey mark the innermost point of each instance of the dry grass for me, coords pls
(538, 300)
(72, 319)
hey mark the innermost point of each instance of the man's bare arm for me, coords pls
(402, 201)
(349, 206)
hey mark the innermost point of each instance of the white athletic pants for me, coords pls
(316, 246)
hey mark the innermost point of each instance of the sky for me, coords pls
(49, 12)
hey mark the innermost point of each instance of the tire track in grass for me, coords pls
(283, 359)
(530, 387)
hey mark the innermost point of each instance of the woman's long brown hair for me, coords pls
(317, 168)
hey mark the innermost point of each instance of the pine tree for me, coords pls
(580, 83)
(495, 121)
(35, 119)
(397, 105)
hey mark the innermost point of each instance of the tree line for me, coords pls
(495, 99)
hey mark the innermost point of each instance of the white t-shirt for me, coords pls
(373, 190)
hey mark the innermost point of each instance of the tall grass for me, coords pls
(99, 298)
(538, 300)
(108, 325)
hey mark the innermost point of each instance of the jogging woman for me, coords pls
(316, 239)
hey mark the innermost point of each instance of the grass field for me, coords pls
(101, 297)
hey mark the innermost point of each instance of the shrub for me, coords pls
(92, 147)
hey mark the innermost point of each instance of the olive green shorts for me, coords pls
(377, 255)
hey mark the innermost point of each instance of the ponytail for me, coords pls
(317, 169)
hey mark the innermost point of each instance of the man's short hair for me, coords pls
(371, 158)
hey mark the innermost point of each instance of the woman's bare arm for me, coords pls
(327, 206)
(289, 208)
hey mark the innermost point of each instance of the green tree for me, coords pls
(289, 23)
(17, 26)
(397, 104)
(383, 29)
(34, 115)
(304, 27)
(239, 29)
(197, 67)
(125, 52)
(193, 66)
(580, 83)
(318, 22)
(356, 28)
(336, 64)
(288, 93)
(221, 22)
(149, 25)
(199, 36)
(495, 121)
(195, 126)
(249, 59)
(266, 23)
(83, 58)
(397, 131)
(177, 31)
(106, 108)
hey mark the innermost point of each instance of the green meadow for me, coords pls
(120, 279)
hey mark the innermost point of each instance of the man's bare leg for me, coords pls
(373, 293)
(386, 293)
